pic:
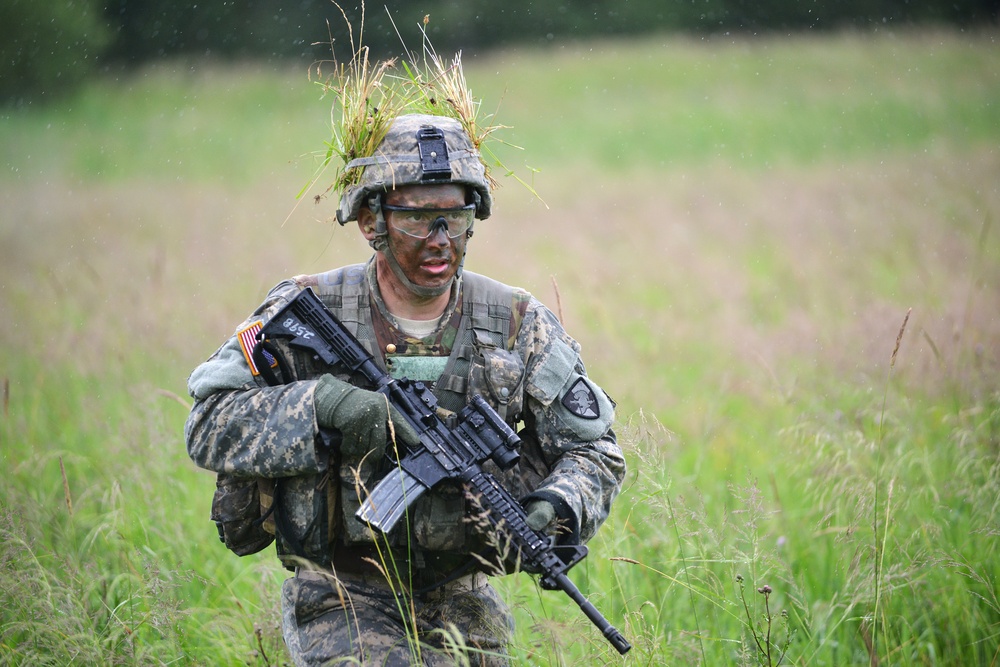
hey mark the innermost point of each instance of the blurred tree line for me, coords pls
(47, 48)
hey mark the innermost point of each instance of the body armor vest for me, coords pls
(487, 309)
(478, 332)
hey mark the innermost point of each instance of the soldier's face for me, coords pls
(433, 261)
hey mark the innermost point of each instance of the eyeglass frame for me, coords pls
(432, 225)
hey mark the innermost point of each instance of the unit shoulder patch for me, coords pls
(581, 401)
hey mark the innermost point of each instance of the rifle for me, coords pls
(454, 449)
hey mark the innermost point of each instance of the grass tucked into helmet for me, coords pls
(368, 97)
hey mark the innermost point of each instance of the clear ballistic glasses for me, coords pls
(420, 223)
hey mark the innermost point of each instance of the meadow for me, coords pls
(780, 255)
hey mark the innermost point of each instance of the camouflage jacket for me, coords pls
(493, 340)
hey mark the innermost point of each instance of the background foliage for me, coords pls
(48, 48)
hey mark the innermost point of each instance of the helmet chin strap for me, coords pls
(381, 244)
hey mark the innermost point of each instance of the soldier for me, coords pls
(419, 595)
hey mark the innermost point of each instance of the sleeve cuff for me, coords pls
(564, 513)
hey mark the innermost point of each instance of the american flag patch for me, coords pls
(248, 339)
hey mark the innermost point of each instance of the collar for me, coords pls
(383, 311)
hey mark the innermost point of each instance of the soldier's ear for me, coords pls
(366, 223)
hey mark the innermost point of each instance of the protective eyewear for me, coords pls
(420, 223)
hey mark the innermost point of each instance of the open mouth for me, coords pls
(436, 266)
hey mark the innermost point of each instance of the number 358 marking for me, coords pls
(297, 329)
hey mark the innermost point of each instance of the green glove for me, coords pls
(361, 417)
(541, 514)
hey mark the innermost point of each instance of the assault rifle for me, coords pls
(447, 450)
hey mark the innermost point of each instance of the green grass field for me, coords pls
(733, 228)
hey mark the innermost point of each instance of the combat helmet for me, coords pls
(418, 149)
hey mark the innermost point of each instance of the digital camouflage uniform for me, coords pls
(358, 597)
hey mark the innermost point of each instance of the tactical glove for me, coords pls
(541, 516)
(361, 417)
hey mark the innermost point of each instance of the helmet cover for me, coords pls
(411, 154)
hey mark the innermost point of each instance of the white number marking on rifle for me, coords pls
(297, 329)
